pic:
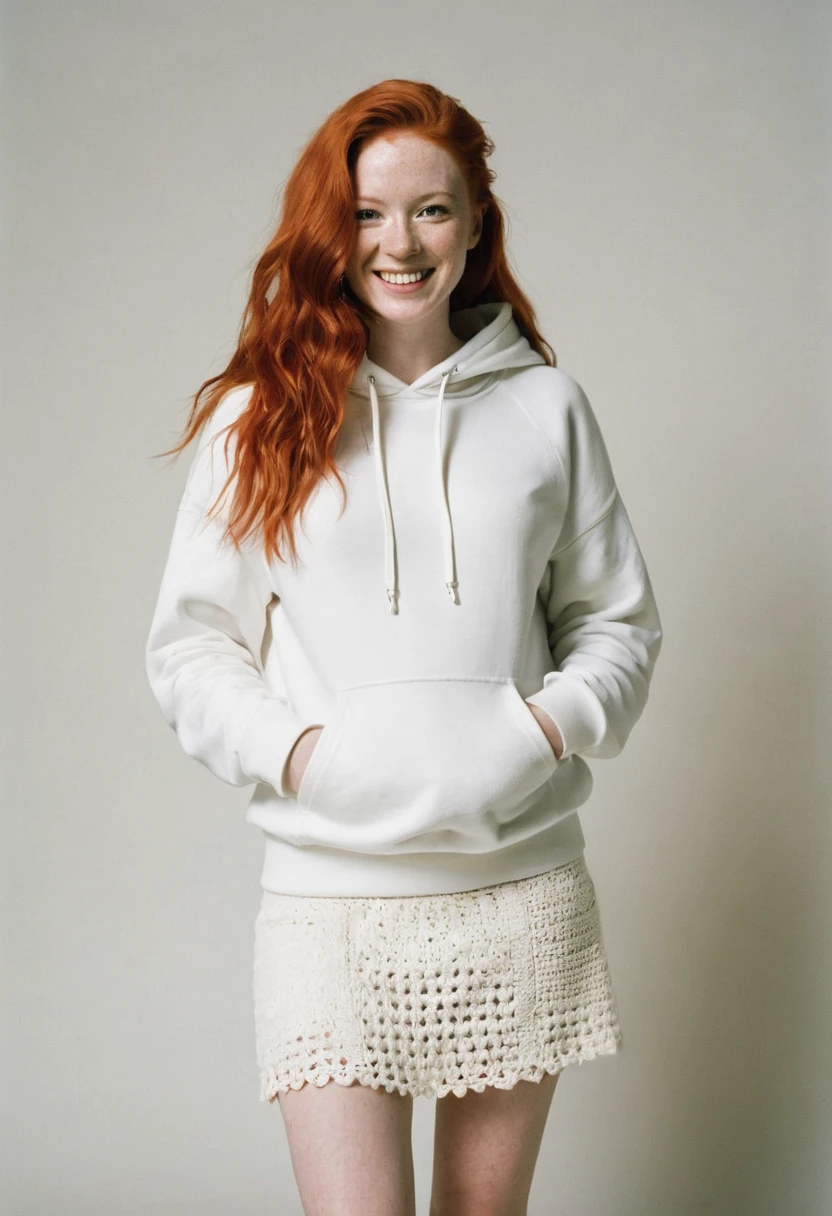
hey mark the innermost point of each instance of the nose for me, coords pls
(401, 241)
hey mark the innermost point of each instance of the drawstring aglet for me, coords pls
(392, 595)
(452, 591)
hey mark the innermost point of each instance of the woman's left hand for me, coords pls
(549, 729)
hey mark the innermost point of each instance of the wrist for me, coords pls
(549, 727)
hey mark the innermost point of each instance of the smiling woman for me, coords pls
(415, 688)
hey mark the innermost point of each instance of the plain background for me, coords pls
(665, 171)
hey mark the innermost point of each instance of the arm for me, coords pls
(604, 631)
(203, 652)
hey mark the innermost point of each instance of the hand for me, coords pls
(550, 730)
(299, 757)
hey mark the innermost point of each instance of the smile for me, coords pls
(413, 277)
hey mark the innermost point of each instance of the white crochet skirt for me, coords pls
(432, 994)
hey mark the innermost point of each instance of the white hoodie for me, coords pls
(484, 557)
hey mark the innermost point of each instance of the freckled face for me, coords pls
(412, 212)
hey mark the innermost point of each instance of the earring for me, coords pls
(341, 286)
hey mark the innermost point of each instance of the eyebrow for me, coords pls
(365, 198)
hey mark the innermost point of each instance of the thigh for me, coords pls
(486, 1147)
(351, 1149)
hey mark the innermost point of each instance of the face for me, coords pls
(412, 212)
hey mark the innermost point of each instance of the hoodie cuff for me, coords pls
(575, 711)
(266, 743)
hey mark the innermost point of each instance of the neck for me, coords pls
(407, 352)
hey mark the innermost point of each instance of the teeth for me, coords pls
(402, 278)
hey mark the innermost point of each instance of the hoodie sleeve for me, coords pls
(203, 652)
(604, 630)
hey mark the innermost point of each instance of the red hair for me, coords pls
(301, 340)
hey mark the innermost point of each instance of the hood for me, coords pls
(493, 344)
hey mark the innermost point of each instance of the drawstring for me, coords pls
(391, 572)
(450, 556)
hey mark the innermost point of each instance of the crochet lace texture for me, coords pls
(434, 994)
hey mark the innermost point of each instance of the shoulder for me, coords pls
(226, 412)
(228, 409)
(562, 411)
(211, 462)
(555, 399)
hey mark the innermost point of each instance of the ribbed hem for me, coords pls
(312, 870)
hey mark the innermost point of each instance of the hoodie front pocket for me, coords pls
(422, 765)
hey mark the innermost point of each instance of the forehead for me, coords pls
(404, 162)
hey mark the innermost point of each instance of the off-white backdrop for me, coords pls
(664, 167)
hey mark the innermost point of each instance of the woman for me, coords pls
(413, 678)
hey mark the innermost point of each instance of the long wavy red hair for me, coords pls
(301, 338)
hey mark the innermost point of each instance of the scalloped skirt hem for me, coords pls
(273, 1083)
(433, 995)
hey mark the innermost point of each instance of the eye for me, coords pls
(365, 211)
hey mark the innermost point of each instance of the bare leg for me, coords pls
(486, 1147)
(351, 1149)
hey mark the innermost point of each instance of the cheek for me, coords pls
(451, 244)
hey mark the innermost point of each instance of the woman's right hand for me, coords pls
(299, 757)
